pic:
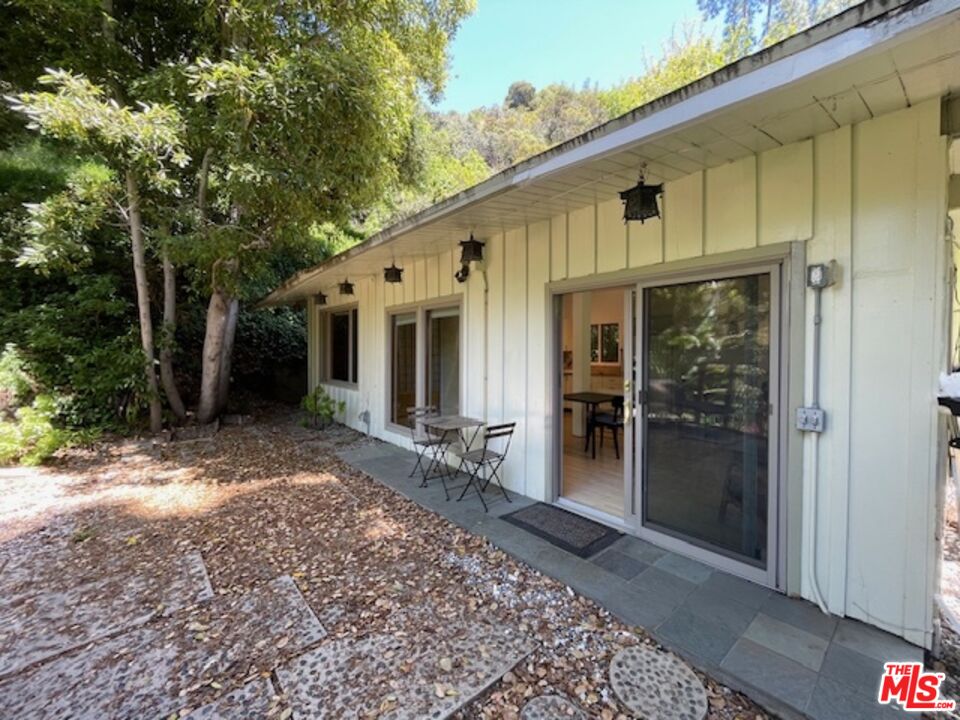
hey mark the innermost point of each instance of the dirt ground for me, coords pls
(132, 526)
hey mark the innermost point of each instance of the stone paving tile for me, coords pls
(36, 627)
(663, 584)
(788, 681)
(801, 614)
(695, 572)
(638, 549)
(657, 684)
(859, 673)
(743, 591)
(874, 642)
(724, 611)
(791, 642)
(249, 702)
(635, 606)
(697, 635)
(147, 671)
(834, 701)
(426, 672)
(619, 564)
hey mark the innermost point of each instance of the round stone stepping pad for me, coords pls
(551, 707)
(657, 685)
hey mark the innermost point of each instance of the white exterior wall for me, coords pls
(872, 197)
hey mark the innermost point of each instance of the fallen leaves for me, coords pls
(271, 498)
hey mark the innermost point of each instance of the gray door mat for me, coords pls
(565, 529)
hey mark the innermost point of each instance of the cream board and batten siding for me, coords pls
(872, 197)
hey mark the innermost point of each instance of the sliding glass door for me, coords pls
(403, 366)
(707, 430)
(443, 360)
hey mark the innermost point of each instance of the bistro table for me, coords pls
(591, 400)
(450, 429)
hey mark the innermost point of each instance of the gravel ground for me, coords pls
(272, 499)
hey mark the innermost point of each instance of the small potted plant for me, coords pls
(321, 409)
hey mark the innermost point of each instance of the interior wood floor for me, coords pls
(596, 483)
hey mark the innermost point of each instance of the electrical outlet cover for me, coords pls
(810, 419)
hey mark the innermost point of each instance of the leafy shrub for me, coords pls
(15, 385)
(32, 437)
(321, 408)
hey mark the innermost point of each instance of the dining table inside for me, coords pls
(591, 400)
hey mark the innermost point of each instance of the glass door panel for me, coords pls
(403, 366)
(706, 436)
(443, 367)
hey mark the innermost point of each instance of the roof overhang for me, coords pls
(874, 58)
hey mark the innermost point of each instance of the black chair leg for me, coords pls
(495, 475)
(616, 443)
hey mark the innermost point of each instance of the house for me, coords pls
(811, 179)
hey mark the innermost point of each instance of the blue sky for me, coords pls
(547, 41)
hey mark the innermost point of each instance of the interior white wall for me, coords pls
(872, 197)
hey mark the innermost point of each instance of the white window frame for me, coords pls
(422, 311)
(326, 350)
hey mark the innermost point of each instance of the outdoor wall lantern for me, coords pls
(320, 298)
(471, 251)
(393, 274)
(346, 288)
(640, 201)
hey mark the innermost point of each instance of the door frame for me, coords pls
(770, 575)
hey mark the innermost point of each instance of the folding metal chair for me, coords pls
(425, 443)
(487, 460)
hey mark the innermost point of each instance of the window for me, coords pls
(342, 359)
(443, 360)
(605, 343)
(423, 361)
(403, 366)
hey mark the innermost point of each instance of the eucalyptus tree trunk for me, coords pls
(135, 223)
(167, 378)
(218, 311)
(226, 354)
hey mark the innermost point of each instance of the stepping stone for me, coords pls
(249, 702)
(657, 685)
(142, 673)
(36, 627)
(426, 672)
(551, 707)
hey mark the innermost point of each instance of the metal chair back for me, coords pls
(417, 419)
(495, 432)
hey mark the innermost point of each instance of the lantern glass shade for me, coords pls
(346, 288)
(393, 274)
(640, 202)
(470, 251)
(320, 298)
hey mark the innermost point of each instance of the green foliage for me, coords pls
(55, 232)
(15, 385)
(32, 437)
(752, 24)
(321, 409)
(146, 139)
(520, 94)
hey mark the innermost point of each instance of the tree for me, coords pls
(520, 95)
(759, 23)
(294, 114)
(139, 146)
